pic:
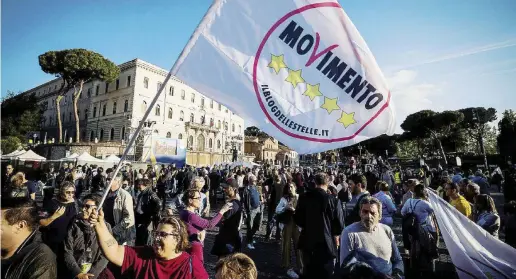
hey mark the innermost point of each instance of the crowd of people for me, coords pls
(336, 222)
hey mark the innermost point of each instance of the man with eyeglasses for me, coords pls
(83, 257)
(59, 213)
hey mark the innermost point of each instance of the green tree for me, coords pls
(76, 67)
(254, 131)
(476, 123)
(437, 125)
(507, 135)
(377, 145)
(10, 144)
(21, 114)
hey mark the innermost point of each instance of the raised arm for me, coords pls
(113, 252)
(58, 213)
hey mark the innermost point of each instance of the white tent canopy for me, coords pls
(244, 164)
(14, 154)
(71, 157)
(30, 156)
(112, 158)
(87, 158)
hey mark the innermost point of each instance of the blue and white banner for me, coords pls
(474, 252)
(297, 69)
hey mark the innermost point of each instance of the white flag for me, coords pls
(297, 69)
(474, 252)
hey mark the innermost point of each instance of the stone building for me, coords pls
(268, 150)
(111, 112)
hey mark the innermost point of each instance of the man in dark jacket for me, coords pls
(83, 257)
(215, 179)
(98, 182)
(188, 176)
(146, 213)
(321, 220)
(6, 177)
(24, 255)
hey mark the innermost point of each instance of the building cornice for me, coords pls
(155, 69)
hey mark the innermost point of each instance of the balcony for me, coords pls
(202, 127)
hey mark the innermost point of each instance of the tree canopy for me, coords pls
(254, 131)
(21, 114)
(507, 135)
(76, 67)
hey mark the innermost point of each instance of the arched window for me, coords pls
(181, 116)
(122, 134)
(169, 113)
(92, 136)
(210, 143)
(101, 137)
(180, 136)
(200, 143)
(126, 105)
(112, 134)
(144, 107)
(158, 110)
(192, 118)
(189, 144)
(233, 128)
(225, 126)
(169, 135)
(171, 91)
(218, 144)
(114, 107)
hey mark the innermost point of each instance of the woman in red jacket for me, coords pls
(166, 258)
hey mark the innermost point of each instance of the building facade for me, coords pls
(267, 150)
(111, 112)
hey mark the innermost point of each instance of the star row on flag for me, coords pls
(312, 90)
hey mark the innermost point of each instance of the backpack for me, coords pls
(254, 198)
(409, 223)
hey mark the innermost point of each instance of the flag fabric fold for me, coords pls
(297, 69)
(474, 252)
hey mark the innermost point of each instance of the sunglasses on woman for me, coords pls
(163, 234)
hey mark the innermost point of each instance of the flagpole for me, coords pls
(174, 68)
(134, 137)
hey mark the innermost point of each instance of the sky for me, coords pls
(435, 54)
